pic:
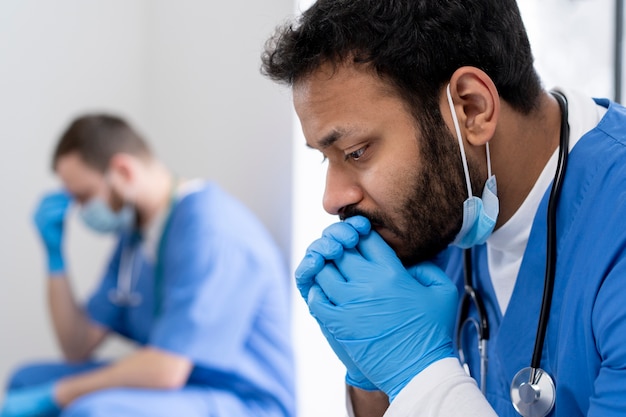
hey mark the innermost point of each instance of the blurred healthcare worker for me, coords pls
(418, 106)
(195, 280)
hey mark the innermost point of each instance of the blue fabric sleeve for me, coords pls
(609, 328)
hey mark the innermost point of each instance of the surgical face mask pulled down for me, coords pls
(479, 213)
(97, 215)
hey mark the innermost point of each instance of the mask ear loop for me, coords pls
(455, 120)
(488, 160)
(457, 128)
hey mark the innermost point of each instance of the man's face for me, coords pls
(84, 182)
(378, 165)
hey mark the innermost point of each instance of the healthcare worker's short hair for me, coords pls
(97, 138)
(414, 45)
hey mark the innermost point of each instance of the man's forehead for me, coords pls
(338, 98)
(77, 176)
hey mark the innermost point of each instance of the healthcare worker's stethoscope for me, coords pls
(532, 389)
(122, 295)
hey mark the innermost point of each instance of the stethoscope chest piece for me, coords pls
(533, 392)
(124, 298)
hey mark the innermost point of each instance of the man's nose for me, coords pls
(342, 190)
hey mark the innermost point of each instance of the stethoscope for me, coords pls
(532, 390)
(123, 295)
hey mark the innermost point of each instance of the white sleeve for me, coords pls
(444, 390)
(349, 403)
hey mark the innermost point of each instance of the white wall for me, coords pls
(572, 41)
(211, 112)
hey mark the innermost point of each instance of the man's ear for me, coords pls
(477, 104)
(122, 171)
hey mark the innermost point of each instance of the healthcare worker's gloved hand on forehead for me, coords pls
(32, 401)
(49, 218)
(330, 246)
(392, 322)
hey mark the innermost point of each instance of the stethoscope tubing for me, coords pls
(122, 295)
(551, 252)
(481, 323)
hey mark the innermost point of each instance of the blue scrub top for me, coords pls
(585, 346)
(225, 299)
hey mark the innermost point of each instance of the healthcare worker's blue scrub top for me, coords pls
(585, 346)
(224, 301)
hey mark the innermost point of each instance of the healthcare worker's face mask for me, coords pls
(479, 214)
(98, 216)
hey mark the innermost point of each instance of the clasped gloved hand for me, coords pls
(49, 218)
(29, 402)
(391, 322)
(331, 246)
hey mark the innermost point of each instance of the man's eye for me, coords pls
(356, 155)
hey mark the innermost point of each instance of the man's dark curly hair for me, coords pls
(415, 45)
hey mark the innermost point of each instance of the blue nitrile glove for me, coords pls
(393, 323)
(29, 402)
(334, 239)
(330, 246)
(49, 218)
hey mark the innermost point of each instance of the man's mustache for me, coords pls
(375, 219)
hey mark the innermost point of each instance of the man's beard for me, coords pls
(431, 214)
(116, 201)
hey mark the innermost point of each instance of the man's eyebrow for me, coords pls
(331, 138)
